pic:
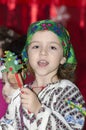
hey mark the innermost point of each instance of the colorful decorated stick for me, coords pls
(13, 64)
(77, 106)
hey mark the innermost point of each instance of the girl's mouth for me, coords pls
(43, 63)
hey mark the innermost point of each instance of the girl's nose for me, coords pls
(43, 51)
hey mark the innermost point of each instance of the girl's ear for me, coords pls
(63, 60)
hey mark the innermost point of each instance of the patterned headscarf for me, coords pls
(60, 31)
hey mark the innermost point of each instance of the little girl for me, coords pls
(7, 36)
(52, 101)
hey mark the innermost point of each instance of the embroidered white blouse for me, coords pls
(63, 108)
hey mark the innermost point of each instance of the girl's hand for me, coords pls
(30, 100)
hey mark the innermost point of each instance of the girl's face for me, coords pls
(9, 87)
(45, 53)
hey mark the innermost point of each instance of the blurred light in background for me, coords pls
(82, 14)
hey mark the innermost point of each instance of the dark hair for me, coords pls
(7, 36)
(17, 45)
(12, 41)
(66, 72)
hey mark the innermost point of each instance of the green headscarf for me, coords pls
(60, 31)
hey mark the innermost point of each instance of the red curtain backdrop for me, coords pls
(18, 14)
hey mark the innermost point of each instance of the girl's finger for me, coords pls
(26, 90)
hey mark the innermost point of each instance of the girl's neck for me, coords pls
(39, 82)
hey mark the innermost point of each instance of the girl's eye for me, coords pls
(53, 48)
(35, 47)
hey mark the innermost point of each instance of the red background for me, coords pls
(20, 17)
(17, 15)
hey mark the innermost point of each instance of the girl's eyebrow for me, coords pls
(53, 42)
(47, 41)
(34, 41)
